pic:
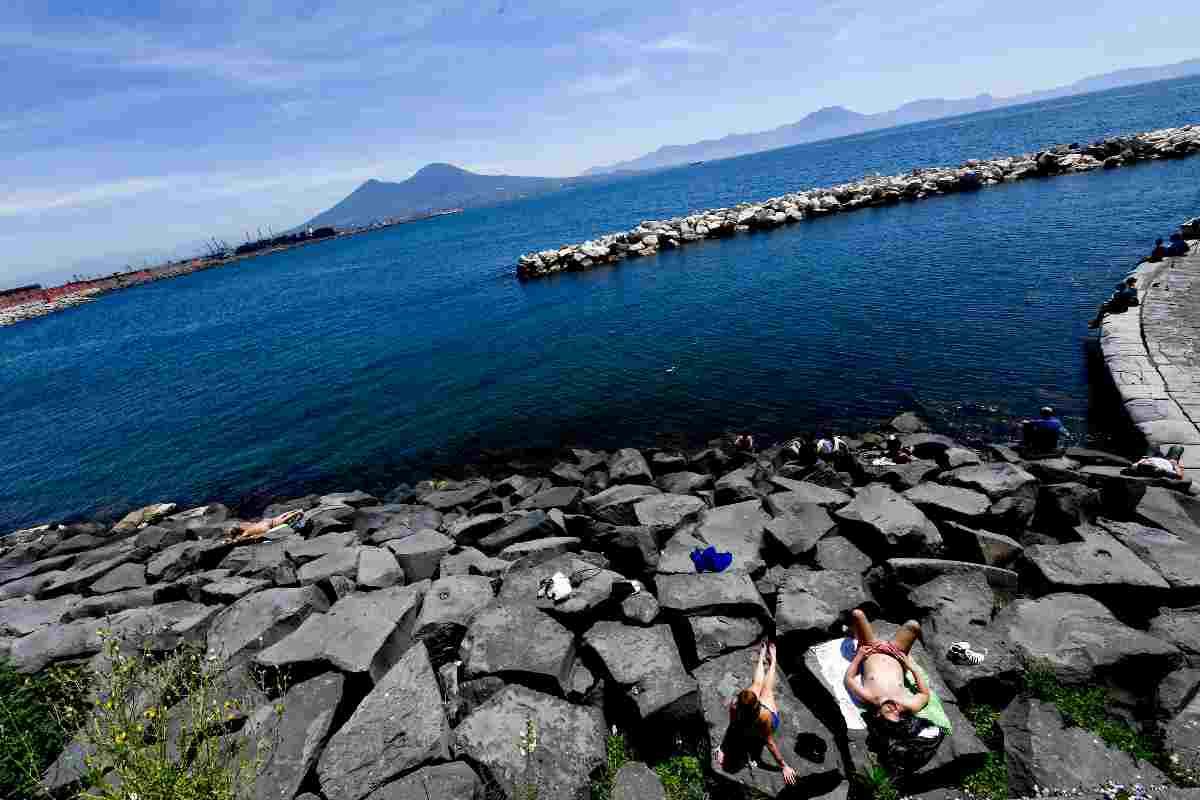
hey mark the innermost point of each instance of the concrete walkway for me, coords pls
(1153, 354)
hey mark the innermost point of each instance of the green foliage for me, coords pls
(34, 712)
(989, 782)
(1087, 708)
(527, 744)
(874, 783)
(984, 719)
(159, 727)
(617, 753)
(683, 778)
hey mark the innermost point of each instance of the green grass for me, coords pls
(683, 778)
(616, 754)
(989, 782)
(35, 711)
(1087, 708)
(873, 782)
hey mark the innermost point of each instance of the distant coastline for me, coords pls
(26, 303)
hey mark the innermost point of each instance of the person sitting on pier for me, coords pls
(883, 665)
(1125, 297)
(897, 452)
(1178, 246)
(1156, 254)
(1041, 435)
(754, 718)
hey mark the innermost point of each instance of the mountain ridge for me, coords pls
(833, 121)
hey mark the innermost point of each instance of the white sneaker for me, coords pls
(961, 653)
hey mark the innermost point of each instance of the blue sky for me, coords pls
(132, 127)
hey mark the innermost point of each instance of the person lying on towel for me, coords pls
(883, 665)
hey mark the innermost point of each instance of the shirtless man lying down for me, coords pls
(883, 665)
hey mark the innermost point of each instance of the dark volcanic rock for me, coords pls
(362, 633)
(594, 589)
(646, 664)
(470, 529)
(716, 636)
(378, 569)
(529, 554)
(793, 491)
(949, 502)
(1000, 482)
(20, 616)
(1082, 641)
(570, 742)
(289, 742)
(737, 529)
(666, 510)
(813, 604)
(340, 563)
(628, 466)
(398, 726)
(453, 781)
(807, 745)
(1180, 627)
(1066, 505)
(1170, 511)
(1175, 559)
(534, 525)
(420, 554)
(709, 594)
(383, 523)
(454, 498)
(1042, 753)
(798, 527)
(839, 553)
(450, 605)
(566, 498)
(616, 503)
(684, 482)
(521, 644)
(260, 620)
(736, 486)
(1099, 565)
(472, 562)
(967, 544)
(105, 604)
(885, 521)
(636, 781)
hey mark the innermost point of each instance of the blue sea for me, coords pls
(361, 362)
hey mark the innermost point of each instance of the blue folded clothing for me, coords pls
(709, 560)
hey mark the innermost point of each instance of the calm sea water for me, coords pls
(360, 362)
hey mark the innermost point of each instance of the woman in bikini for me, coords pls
(754, 713)
(256, 530)
(883, 666)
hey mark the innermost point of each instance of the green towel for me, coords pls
(933, 711)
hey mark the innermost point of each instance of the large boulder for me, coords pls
(807, 745)
(812, 604)
(646, 664)
(450, 605)
(636, 781)
(1012, 490)
(666, 510)
(20, 616)
(883, 521)
(126, 576)
(736, 486)
(107, 604)
(399, 725)
(1171, 511)
(260, 620)
(629, 466)
(942, 502)
(569, 745)
(1081, 641)
(383, 523)
(304, 550)
(1099, 565)
(1180, 627)
(737, 529)
(716, 636)
(797, 529)
(616, 503)
(708, 594)
(470, 561)
(1176, 559)
(566, 498)
(341, 563)
(684, 482)
(420, 554)
(453, 781)
(361, 634)
(378, 569)
(288, 736)
(968, 544)
(839, 553)
(519, 643)
(593, 591)
(1043, 754)
(527, 527)
(464, 496)
(794, 491)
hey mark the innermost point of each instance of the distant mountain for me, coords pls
(834, 121)
(433, 188)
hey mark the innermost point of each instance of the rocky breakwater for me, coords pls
(19, 313)
(427, 653)
(876, 190)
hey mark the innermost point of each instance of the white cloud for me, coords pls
(679, 43)
(34, 202)
(609, 83)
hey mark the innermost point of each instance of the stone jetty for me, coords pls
(19, 313)
(875, 190)
(1151, 351)
(428, 654)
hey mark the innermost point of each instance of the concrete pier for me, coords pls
(1151, 353)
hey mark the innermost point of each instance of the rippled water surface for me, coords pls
(361, 361)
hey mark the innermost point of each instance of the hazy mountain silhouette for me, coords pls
(834, 121)
(434, 187)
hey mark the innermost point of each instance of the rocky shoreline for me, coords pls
(875, 190)
(417, 616)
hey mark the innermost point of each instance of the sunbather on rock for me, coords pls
(883, 664)
(754, 713)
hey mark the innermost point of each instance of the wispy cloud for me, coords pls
(679, 43)
(38, 201)
(608, 83)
